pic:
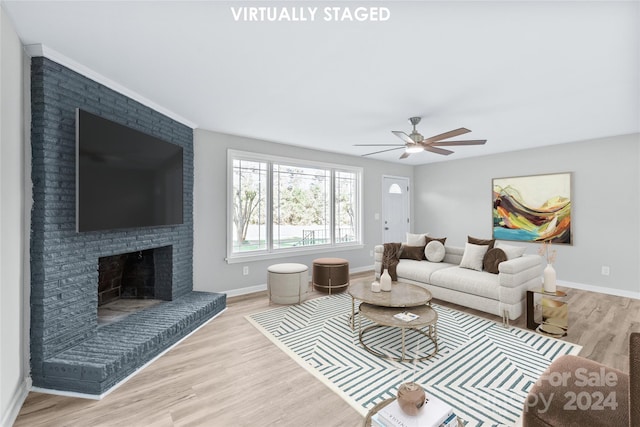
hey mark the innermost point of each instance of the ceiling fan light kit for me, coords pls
(415, 142)
(414, 148)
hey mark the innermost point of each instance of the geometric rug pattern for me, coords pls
(482, 369)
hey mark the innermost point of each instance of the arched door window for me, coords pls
(395, 189)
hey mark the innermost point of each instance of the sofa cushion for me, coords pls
(492, 260)
(434, 251)
(473, 256)
(419, 271)
(511, 251)
(469, 281)
(412, 252)
(416, 239)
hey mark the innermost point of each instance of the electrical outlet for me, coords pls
(245, 270)
(370, 253)
(605, 270)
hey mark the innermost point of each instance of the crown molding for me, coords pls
(42, 50)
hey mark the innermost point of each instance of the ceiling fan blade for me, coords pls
(384, 151)
(449, 134)
(404, 155)
(437, 150)
(462, 142)
(378, 145)
(403, 136)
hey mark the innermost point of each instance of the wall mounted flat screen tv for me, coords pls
(124, 177)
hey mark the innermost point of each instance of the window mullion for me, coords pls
(269, 216)
(332, 204)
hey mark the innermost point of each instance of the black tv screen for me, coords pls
(124, 177)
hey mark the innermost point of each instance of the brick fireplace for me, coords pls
(70, 351)
(144, 274)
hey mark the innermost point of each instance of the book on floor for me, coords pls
(432, 414)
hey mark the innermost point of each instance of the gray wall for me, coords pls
(211, 271)
(13, 360)
(453, 200)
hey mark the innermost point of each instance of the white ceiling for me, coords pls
(519, 74)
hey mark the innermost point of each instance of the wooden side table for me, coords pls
(555, 313)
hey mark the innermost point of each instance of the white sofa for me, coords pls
(502, 294)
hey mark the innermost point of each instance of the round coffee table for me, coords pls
(385, 316)
(401, 295)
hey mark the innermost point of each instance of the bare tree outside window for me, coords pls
(249, 179)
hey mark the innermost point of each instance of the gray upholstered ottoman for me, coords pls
(287, 283)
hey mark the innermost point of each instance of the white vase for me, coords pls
(375, 287)
(549, 275)
(385, 281)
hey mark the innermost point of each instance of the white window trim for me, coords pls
(233, 258)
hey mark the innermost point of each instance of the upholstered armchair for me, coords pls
(579, 392)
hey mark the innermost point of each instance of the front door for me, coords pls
(395, 208)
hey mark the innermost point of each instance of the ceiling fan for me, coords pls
(415, 142)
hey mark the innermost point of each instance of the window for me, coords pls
(280, 205)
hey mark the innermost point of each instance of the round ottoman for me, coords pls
(330, 274)
(287, 283)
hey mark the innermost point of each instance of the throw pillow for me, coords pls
(412, 252)
(473, 256)
(434, 251)
(416, 239)
(512, 251)
(488, 242)
(431, 239)
(390, 259)
(492, 259)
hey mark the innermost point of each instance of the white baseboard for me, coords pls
(572, 285)
(100, 396)
(245, 291)
(600, 289)
(15, 405)
(263, 287)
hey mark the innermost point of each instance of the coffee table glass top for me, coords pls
(401, 295)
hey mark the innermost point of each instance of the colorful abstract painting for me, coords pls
(533, 208)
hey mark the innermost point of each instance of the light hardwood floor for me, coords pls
(229, 374)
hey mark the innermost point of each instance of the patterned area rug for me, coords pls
(482, 369)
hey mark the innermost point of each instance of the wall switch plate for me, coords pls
(605, 270)
(245, 270)
(370, 253)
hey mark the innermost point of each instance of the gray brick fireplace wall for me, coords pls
(64, 264)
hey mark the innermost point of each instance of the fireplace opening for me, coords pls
(129, 282)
